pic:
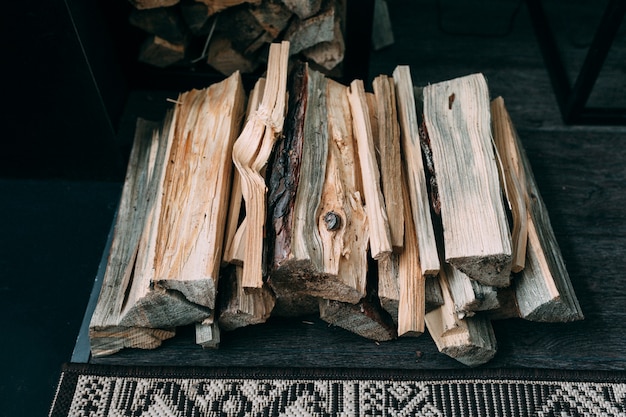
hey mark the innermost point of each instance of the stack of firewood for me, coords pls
(234, 35)
(385, 212)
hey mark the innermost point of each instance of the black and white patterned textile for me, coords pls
(99, 392)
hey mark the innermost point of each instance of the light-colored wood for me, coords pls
(469, 295)
(412, 305)
(319, 231)
(389, 285)
(388, 147)
(190, 231)
(329, 54)
(514, 180)
(305, 33)
(475, 228)
(414, 168)
(243, 308)
(250, 155)
(379, 238)
(382, 31)
(208, 333)
(543, 289)
(470, 341)
(160, 53)
(303, 8)
(235, 227)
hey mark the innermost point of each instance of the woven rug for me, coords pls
(88, 390)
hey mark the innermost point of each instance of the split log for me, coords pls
(272, 15)
(242, 29)
(470, 341)
(305, 33)
(543, 289)
(226, 59)
(329, 54)
(165, 22)
(303, 8)
(250, 155)
(388, 147)
(161, 53)
(476, 233)
(208, 333)
(433, 295)
(469, 295)
(379, 237)
(242, 308)
(318, 237)
(414, 169)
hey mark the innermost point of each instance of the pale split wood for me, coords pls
(235, 224)
(543, 289)
(414, 168)
(382, 31)
(388, 148)
(190, 231)
(469, 295)
(243, 308)
(514, 180)
(470, 341)
(250, 155)
(379, 237)
(476, 233)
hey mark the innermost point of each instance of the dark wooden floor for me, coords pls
(55, 229)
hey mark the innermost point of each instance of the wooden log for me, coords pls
(152, 4)
(227, 59)
(507, 305)
(433, 296)
(476, 233)
(108, 331)
(234, 248)
(250, 155)
(415, 174)
(329, 54)
(208, 333)
(388, 148)
(241, 28)
(318, 238)
(543, 289)
(272, 15)
(305, 33)
(242, 308)
(160, 53)
(215, 6)
(382, 32)
(303, 8)
(379, 238)
(165, 22)
(470, 341)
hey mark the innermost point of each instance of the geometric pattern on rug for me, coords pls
(111, 396)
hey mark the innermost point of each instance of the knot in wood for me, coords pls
(332, 220)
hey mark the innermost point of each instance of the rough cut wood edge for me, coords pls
(250, 155)
(469, 295)
(380, 240)
(414, 168)
(106, 334)
(318, 236)
(514, 180)
(242, 308)
(190, 232)
(388, 147)
(434, 296)
(208, 333)
(543, 290)
(476, 233)
(233, 249)
(470, 341)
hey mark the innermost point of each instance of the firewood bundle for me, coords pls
(385, 212)
(234, 35)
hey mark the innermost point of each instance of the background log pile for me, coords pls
(388, 212)
(234, 35)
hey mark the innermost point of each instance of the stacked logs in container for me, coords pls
(385, 212)
(234, 35)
